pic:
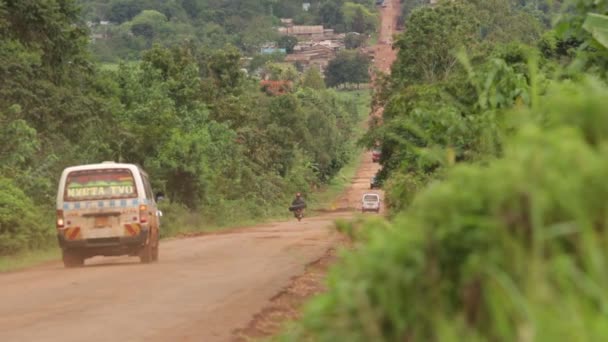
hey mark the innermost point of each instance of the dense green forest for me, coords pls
(125, 28)
(210, 138)
(494, 154)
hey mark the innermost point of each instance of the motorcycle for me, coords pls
(298, 213)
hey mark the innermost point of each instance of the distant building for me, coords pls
(304, 32)
(328, 32)
(332, 44)
(271, 50)
(287, 22)
(317, 55)
(316, 45)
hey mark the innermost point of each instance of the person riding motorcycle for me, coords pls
(298, 201)
(297, 206)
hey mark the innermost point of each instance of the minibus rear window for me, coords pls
(99, 185)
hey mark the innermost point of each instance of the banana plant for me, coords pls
(597, 25)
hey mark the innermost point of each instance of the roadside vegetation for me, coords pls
(222, 150)
(494, 154)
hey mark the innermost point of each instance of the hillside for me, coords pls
(123, 29)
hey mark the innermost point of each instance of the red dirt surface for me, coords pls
(384, 53)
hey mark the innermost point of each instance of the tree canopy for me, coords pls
(347, 67)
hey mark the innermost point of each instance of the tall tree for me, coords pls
(287, 43)
(347, 67)
(313, 79)
(353, 40)
(427, 48)
(330, 14)
(359, 18)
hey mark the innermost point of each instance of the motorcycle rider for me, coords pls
(298, 201)
(298, 205)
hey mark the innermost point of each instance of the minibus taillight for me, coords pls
(143, 213)
(60, 221)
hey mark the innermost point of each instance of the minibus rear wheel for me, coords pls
(155, 252)
(146, 254)
(72, 259)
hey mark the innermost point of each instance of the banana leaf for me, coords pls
(597, 25)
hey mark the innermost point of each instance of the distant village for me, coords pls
(315, 48)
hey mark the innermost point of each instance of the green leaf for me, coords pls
(597, 25)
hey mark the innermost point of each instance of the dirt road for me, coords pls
(203, 289)
(351, 199)
(384, 56)
(384, 53)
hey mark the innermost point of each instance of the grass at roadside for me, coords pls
(28, 259)
(325, 199)
(363, 98)
(185, 223)
(373, 39)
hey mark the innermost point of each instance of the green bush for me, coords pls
(177, 218)
(514, 250)
(23, 225)
(402, 188)
(495, 173)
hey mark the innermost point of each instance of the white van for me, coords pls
(106, 209)
(370, 202)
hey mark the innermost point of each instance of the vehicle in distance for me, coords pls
(376, 155)
(106, 209)
(370, 202)
(374, 183)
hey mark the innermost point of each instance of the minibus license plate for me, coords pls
(102, 221)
